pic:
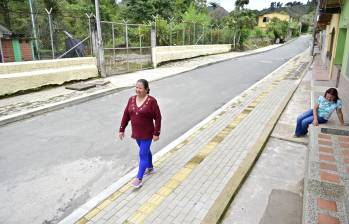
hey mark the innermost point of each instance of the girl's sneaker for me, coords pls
(137, 183)
(149, 171)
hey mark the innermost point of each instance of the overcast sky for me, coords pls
(254, 4)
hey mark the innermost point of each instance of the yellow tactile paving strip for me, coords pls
(149, 206)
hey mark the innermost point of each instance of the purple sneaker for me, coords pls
(137, 183)
(149, 171)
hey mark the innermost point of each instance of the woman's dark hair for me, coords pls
(145, 84)
(333, 92)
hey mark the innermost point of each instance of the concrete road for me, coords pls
(53, 163)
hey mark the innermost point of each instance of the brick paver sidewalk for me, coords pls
(196, 179)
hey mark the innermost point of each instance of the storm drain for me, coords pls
(333, 131)
(293, 75)
(84, 86)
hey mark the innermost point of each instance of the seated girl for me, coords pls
(321, 113)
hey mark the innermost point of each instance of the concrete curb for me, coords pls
(56, 106)
(91, 204)
(222, 203)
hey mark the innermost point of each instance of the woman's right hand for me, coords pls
(121, 135)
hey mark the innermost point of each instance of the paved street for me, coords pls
(72, 154)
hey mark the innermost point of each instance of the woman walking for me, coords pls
(321, 113)
(142, 109)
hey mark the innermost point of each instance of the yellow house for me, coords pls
(264, 19)
(329, 46)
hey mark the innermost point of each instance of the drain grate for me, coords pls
(332, 131)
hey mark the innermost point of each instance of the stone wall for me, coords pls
(172, 53)
(21, 76)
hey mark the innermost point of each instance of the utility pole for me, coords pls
(100, 52)
(36, 45)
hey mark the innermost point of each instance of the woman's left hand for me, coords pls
(155, 138)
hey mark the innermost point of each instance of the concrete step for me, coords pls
(326, 184)
(18, 67)
(14, 82)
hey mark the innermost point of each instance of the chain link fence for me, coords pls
(127, 46)
(56, 33)
(60, 38)
(191, 33)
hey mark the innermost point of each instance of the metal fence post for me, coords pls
(100, 50)
(218, 34)
(183, 33)
(211, 33)
(140, 39)
(153, 45)
(126, 44)
(203, 34)
(51, 32)
(171, 20)
(189, 35)
(113, 35)
(1, 51)
(194, 38)
(90, 32)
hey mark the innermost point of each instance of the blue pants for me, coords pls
(304, 120)
(145, 157)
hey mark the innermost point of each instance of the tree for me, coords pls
(214, 5)
(242, 22)
(239, 4)
(289, 4)
(5, 13)
(194, 15)
(278, 28)
(139, 11)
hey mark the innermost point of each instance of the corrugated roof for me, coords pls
(4, 30)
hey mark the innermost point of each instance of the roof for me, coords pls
(326, 10)
(4, 30)
(274, 12)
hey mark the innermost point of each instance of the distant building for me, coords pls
(14, 47)
(264, 19)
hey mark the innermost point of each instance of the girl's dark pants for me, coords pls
(304, 120)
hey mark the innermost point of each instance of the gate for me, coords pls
(127, 47)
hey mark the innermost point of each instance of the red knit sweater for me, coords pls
(142, 118)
